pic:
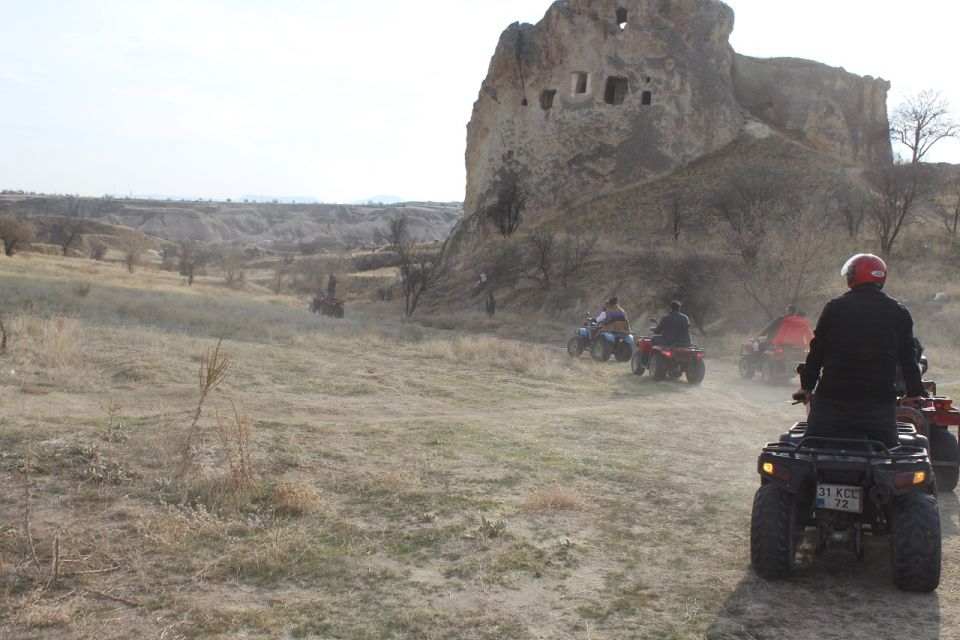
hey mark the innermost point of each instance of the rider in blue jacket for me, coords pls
(673, 328)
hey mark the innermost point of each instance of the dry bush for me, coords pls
(213, 370)
(3, 335)
(82, 290)
(295, 499)
(56, 342)
(234, 435)
(554, 498)
(98, 250)
(15, 233)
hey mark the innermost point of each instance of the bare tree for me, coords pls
(192, 257)
(922, 121)
(950, 203)
(852, 205)
(895, 190)
(132, 252)
(232, 263)
(749, 206)
(283, 269)
(538, 262)
(575, 249)
(15, 233)
(98, 250)
(677, 212)
(419, 267)
(67, 233)
(510, 201)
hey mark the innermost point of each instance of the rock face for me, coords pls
(603, 94)
(832, 110)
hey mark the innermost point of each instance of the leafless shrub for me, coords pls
(509, 201)
(853, 204)
(295, 499)
(191, 258)
(282, 271)
(754, 199)
(554, 498)
(3, 335)
(213, 370)
(132, 253)
(575, 249)
(98, 250)
(15, 233)
(420, 267)
(67, 234)
(539, 259)
(234, 435)
(232, 262)
(949, 202)
(82, 290)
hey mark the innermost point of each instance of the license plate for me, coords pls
(840, 498)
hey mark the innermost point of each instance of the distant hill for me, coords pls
(272, 226)
(379, 200)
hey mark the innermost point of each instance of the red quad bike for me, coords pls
(838, 492)
(933, 419)
(327, 306)
(775, 363)
(668, 361)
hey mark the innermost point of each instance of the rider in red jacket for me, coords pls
(793, 331)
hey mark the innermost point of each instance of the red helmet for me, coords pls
(864, 268)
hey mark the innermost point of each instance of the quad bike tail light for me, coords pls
(780, 473)
(668, 353)
(943, 404)
(699, 355)
(909, 479)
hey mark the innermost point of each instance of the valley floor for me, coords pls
(389, 481)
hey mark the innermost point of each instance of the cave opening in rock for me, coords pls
(616, 91)
(646, 98)
(622, 18)
(546, 98)
(580, 82)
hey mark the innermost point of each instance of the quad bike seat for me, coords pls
(907, 432)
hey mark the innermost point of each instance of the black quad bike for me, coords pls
(775, 363)
(840, 491)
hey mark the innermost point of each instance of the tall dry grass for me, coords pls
(530, 359)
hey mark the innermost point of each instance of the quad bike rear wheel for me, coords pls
(943, 448)
(636, 364)
(601, 350)
(696, 371)
(746, 368)
(768, 373)
(658, 366)
(915, 542)
(338, 312)
(574, 347)
(773, 532)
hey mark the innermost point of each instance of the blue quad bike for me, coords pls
(601, 345)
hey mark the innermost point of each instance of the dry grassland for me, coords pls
(365, 478)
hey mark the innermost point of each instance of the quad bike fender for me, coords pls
(789, 473)
(583, 332)
(890, 478)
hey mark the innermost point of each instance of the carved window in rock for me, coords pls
(580, 83)
(622, 18)
(646, 98)
(546, 98)
(616, 91)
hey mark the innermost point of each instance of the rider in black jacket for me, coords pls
(860, 339)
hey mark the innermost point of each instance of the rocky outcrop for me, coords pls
(829, 108)
(605, 94)
(600, 94)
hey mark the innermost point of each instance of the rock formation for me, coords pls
(604, 94)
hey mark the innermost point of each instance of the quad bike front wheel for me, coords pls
(944, 448)
(636, 364)
(658, 366)
(696, 371)
(601, 350)
(746, 368)
(574, 347)
(773, 532)
(915, 542)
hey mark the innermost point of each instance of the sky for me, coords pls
(338, 100)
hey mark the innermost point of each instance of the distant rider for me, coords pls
(673, 328)
(861, 337)
(765, 340)
(794, 331)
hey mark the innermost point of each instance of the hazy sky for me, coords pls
(337, 99)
